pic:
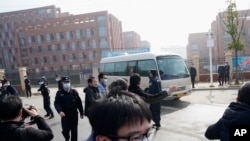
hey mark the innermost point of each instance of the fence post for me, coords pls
(2, 73)
(196, 62)
(22, 73)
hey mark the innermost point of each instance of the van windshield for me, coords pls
(172, 67)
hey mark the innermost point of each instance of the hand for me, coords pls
(171, 89)
(32, 112)
(62, 114)
(81, 116)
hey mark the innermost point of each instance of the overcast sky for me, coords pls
(163, 23)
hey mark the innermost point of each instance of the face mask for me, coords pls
(105, 81)
(57, 79)
(66, 85)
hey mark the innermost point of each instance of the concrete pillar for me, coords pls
(2, 73)
(95, 71)
(229, 58)
(22, 73)
(196, 62)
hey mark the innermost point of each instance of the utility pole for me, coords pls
(210, 44)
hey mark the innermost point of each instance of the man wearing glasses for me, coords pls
(120, 116)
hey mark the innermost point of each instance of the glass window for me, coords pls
(63, 47)
(68, 35)
(121, 68)
(80, 56)
(81, 45)
(78, 34)
(144, 66)
(102, 31)
(48, 37)
(91, 55)
(103, 43)
(39, 38)
(72, 46)
(70, 58)
(58, 37)
(109, 68)
(29, 40)
(100, 18)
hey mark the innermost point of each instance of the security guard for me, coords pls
(154, 88)
(67, 102)
(46, 99)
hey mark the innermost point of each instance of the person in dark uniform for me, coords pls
(27, 86)
(46, 99)
(192, 71)
(59, 82)
(227, 73)
(68, 103)
(155, 88)
(8, 89)
(221, 73)
(134, 87)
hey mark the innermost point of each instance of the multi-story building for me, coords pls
(50, 42)
(197, 42)
(131, 39)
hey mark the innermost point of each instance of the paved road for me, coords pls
(182, 120)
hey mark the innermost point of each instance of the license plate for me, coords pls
(180, 95)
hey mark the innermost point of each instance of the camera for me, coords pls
(28, 107)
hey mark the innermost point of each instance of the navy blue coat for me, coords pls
(236, 114)
(154, 86)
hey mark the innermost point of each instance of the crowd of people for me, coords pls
(133, 107)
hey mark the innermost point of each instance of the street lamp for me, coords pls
(210, 44)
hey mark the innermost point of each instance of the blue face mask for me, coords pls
(66, 85)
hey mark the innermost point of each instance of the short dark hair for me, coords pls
(90, 80)
(101, 75)
(134, 79)
(116, 110)
(10, 106)
(243, 93)
(118, 85)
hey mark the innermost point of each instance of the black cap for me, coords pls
(65, 78)
(153, 72)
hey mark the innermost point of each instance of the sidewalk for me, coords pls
(207, 86)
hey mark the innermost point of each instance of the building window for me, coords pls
(70, 57)
(90, 32)
(48, 37)
(67, 35)
(103, 42)
(58, 37)
(39, 39)
(102, 31)
(63, 47)
(81, 45)
(29, 40)
(80, 56)
(92, 43)
(90, 55)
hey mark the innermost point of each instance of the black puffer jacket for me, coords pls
(9, 131)
(149, 98)
(236, 114)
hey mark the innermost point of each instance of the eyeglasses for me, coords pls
(135, 137)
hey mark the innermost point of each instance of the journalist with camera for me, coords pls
(12, 127)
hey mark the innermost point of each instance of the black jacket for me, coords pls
(27, 83)
(44, 90)
(68, 102)
(236, 114)
(149, 98)
(192, 71)
(10, 90)
(9, 131)
(91, 94)
(154, 86)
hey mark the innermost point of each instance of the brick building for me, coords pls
(131, 39)
(197, 42)
(44, 39)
